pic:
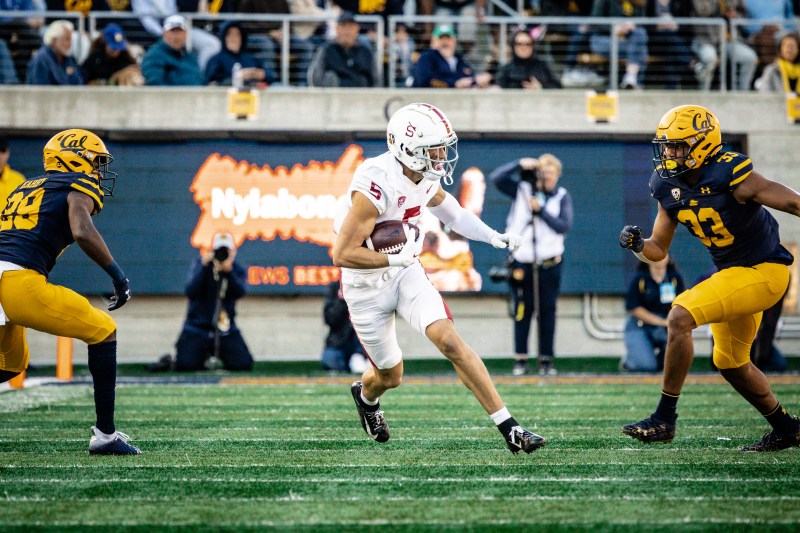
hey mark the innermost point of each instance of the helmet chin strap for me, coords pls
(434, 175)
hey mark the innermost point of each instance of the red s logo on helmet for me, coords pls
(410, 130)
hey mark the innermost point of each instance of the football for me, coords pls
(388, 237)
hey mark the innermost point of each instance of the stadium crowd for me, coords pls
(241, 42)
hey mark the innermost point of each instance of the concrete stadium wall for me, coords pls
(292, 327)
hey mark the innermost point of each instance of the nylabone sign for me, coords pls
(258, 202)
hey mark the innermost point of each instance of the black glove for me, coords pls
(122, 293)
(631, 237)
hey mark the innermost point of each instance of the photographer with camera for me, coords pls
(214, 283)
(542, 213)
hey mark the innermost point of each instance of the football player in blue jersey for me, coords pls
(42, 217)
(720, 199)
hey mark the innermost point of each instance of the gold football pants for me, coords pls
(733, 301)
(29, 301)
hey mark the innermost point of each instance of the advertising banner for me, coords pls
(278, 201)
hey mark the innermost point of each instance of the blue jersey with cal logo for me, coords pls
(736, 234)
(34, 225)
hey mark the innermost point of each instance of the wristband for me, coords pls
(641, 257)
(115, 272)
(395, 260)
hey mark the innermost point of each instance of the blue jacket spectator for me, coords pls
(648, 301)
(20, 36)
(442, 67)
(16, 5)
(53, 64)
(214, 284)
(234, 42)
(168, 62)
(8, 74)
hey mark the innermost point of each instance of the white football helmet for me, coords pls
(420, 137)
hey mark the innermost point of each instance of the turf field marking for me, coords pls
(33, 398)
(538, 524)
(581, 379)
(296, 498)
(402, 479)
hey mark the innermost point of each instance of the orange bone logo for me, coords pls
(252, 202)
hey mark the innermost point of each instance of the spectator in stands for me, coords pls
(405, 52)
(706, 44)
(441, 66)
(21, 34)
(8, 74)
(632, 39)
(266, 38)
(214, 284)
(670, 43)
(9, 178)
(204, 44)
(765, 35)
(576, 41)
(110, 62)
(53, 64)
(314, 30)
(470, 9)
(648, 301)
(525, 70)
(541, 211)
(343, 351)
(168, 62)
(344, 62)
(234, 42)
(384, 8)
(783, 76)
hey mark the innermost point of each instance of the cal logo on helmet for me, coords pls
(686, 137)
(77, 150)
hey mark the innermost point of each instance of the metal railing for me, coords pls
(558, 38)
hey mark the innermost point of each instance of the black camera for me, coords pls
(221, 254)
(500, 274)
(508, 274)
(530, 175)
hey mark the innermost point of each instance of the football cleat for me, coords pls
(373, 422)
(520, 438)
(651, 429)
(117, 446)
(775, 442)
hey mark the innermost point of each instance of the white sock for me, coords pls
(368, 402)
(102, 437)
(500, 416)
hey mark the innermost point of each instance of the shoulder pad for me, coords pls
(77, 181)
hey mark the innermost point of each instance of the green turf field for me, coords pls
(293, 457)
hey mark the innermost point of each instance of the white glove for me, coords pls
(506, 240)
(411, 249)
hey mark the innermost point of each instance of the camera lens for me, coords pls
(221, 254)
(498, 274)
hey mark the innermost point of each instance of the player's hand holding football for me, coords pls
(411, 249)
(122, 293)
(506, 240)
(631, 237)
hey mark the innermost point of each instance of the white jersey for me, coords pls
(396, 197)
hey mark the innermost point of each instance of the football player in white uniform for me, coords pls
(398, 185)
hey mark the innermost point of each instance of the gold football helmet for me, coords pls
(691, 133)
(77, 150)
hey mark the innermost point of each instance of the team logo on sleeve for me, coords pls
(676, 193)
(401, 201)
